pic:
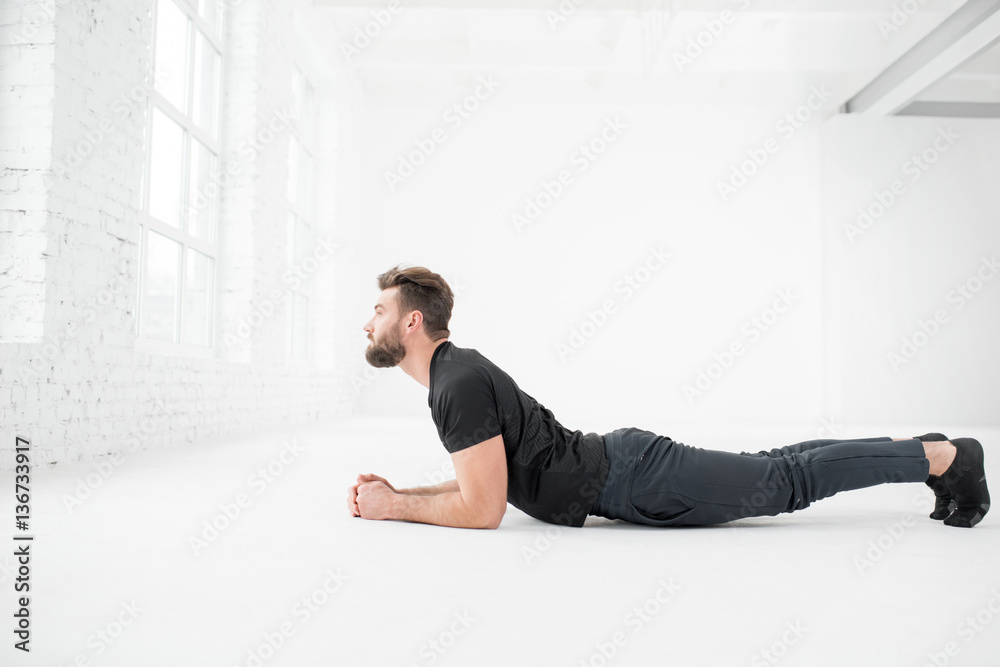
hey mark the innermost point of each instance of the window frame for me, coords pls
(303, 131)
(193, 132)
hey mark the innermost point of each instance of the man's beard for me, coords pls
(386, 353)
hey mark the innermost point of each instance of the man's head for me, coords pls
(414, 302)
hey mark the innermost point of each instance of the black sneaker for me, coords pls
(966, 479)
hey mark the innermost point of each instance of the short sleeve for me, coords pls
(466, 409)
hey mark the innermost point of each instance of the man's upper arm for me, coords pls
(481, 471)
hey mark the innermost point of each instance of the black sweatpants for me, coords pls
(656, 481)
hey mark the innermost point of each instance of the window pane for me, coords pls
(141, 280)
(301, 241)
(160, 306)
(172, 28)
(206, 84)
(166, 170)
(300, 327)
(290, 328)
(294, 149)
(197, 299)
(211, 11)
(307, 119)
(305, 176)
(298, 86)
(290, 239)
(203, 200)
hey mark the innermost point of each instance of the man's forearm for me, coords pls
(445, 487)
(443, 509)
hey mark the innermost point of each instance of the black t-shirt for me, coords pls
(553, 474)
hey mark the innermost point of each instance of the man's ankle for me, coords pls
(940, 455)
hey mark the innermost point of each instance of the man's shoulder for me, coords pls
(461, 369)
(464, 357)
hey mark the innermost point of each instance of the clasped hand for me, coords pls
(371, 497)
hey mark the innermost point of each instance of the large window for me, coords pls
(301, 195)
(180, 196)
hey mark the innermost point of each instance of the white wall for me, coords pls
(927, 252)
(822, 368)
(521, 293)
(71, 377)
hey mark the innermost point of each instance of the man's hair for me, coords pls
(421, 289)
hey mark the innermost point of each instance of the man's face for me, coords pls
(386, 349)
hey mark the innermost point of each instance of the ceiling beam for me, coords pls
(952, 109)
(972, 28)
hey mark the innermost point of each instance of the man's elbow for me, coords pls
(491, 520)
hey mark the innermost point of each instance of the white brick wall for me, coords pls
(27, 85)
(72, 154)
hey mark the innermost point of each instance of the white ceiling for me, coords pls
(767, 53)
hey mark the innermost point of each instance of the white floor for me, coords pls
(863, 578)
